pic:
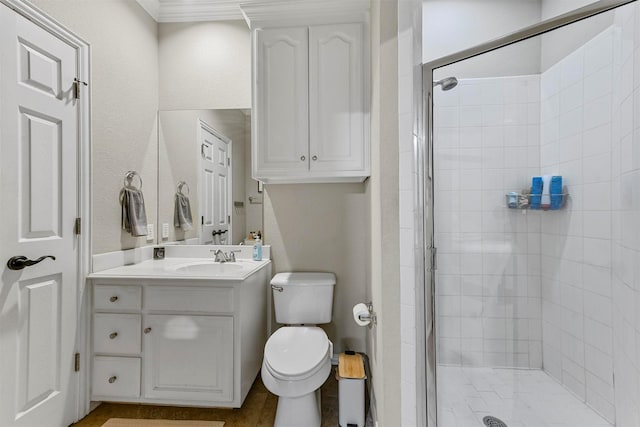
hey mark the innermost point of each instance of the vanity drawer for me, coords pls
(189, 299)
(117, 297)
(116, 333)
(116, 376)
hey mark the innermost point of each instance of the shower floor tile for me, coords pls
(520, 398)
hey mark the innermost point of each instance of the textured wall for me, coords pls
(124, 104)
(383, 341)
(205, 65)
(409, 102)
(322, 227)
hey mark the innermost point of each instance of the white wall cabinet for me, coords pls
(311, 104)
(181, 342)
(282, 108)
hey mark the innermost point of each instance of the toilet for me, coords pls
(297, 357)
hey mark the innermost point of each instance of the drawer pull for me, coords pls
(113, 335)
(147, 330)
(314, 158)
(303, 158)
(112, 379)
(113, 298)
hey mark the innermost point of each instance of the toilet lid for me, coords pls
(293, 351)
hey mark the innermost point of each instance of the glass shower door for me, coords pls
(530, 300)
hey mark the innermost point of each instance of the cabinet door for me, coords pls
(188, 357)
(336, 98)
(281, 140)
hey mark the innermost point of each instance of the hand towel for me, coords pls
(182, 213)
(545, 201)
(536, 192)
(556, 192)
(134, 215)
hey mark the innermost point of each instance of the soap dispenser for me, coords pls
(257, 249)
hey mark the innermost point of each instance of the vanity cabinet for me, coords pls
(177, 341)
(310, 104)
(188, 357)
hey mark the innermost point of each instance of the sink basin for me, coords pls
(208, 268)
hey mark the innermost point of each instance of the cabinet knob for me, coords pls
(314, 158)
(303, 158)
(147, 330)
(112, 379)
(113, 335)
(113, 298)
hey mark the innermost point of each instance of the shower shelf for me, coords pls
(523, 200)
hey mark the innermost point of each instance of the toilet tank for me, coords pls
(303, 297)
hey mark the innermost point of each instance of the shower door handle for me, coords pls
(19, 262)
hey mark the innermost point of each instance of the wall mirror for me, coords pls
(204, 157)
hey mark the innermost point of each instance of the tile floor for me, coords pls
(520, 398)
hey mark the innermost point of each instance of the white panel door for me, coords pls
(39, 190)
(188, 357)
(281, 140)
(336, 98)
(215, 188)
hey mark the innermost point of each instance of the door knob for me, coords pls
(19, 262)
(113, 335)
(147, 330)
(112, 379)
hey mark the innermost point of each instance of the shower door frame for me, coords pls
(424, 160)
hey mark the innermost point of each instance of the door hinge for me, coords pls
(228, 219)
(76, 87)
(202, 220)
(77, 227)
(228, 161)
(76, 362)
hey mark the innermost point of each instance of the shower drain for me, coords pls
(490, 421)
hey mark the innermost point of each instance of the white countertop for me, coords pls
(184, 268)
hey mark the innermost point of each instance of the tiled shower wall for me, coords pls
(488, 285)
(625, 257)
(576, 100)
(584, 260)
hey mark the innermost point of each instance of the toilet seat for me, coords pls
(296, 352)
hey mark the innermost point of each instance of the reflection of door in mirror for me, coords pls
(215, 182)
(179, 159)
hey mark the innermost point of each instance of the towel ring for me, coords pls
(182, 184)
(128, 179)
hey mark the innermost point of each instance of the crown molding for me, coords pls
(254, 11)
(199, 10)
(192, 10)
(275, 12)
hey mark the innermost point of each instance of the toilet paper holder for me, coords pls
(368, 317)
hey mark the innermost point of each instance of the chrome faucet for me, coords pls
(231, 256)
(224, 257)
(220, 256)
